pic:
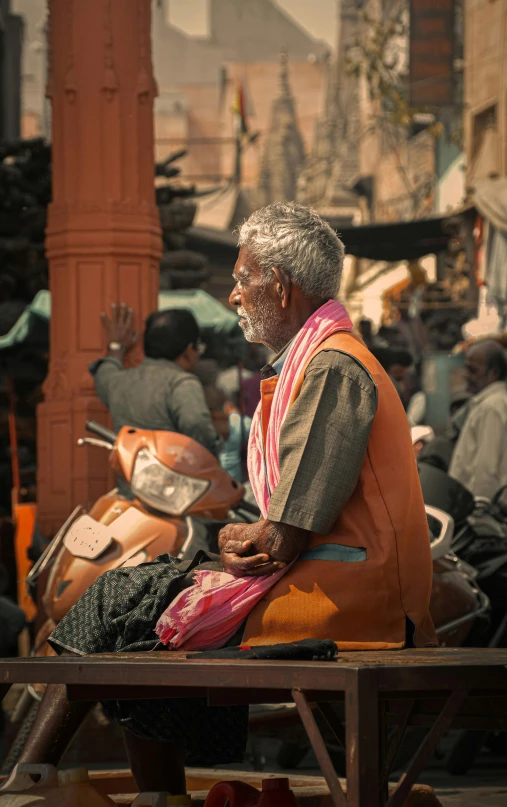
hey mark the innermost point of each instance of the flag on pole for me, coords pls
(239, 109)
(224, 80)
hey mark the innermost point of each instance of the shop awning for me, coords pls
(397, 241)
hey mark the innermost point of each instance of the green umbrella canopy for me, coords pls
(32, 326)
(209, 313)
(219, 326)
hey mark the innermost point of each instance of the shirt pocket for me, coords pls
(335, 552)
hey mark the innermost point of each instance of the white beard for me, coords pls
(261, 324)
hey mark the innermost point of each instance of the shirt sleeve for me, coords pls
(323, 442)
(190, 413)
(485, 479)
(105, 372)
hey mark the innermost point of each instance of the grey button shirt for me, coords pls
(479, 461)
(323, 441)
(157, 394)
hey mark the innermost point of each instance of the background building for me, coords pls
(485, 118)
(197, 78)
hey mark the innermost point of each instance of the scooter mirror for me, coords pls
(441, 526)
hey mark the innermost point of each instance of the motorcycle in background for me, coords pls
(181, 498)
(480, 540)
(480, 534)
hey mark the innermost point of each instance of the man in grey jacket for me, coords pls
(162, 392)
(479, 461)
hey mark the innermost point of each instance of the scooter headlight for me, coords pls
(162, 488)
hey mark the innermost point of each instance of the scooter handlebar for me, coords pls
(101, 431)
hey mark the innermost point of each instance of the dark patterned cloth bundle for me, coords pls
(118, 614)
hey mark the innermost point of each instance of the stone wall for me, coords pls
(404, 180)
(485, 88)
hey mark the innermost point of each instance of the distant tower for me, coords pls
(284, 151)
(334, 162)
(346, 102)
(314, 178)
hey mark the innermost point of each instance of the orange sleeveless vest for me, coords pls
(363, 604)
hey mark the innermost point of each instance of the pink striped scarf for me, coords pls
(207, 615)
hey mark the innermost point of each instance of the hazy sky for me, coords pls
(317, 16)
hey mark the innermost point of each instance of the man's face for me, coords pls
(260, 312)
(477, 374)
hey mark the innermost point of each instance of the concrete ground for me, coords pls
(484, 786)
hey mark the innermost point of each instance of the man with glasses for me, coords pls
(162, 392)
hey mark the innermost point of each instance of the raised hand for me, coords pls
(119, 328)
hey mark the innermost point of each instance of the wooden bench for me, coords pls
(436, 688)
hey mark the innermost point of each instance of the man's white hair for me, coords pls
(297, 240)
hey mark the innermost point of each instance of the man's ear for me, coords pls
(283, 286)
(188, 353)
(185, 359)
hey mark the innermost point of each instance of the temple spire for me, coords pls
(283, 75)
(284, 152)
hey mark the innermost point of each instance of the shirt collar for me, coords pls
(481, 396)
(160, 362)
(275, 368)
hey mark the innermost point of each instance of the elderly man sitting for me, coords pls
(330, 457)
(342, 549)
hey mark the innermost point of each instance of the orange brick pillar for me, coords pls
(103, 236)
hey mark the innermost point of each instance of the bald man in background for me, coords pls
(480, 459)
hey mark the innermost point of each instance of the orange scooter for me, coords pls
(181, 497)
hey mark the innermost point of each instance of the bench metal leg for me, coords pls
(441, 725)
(397, 740)
(362, 738)
(334, 722)
(319, 747)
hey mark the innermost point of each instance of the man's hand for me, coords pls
(119, 330)
(253, 550)
(239, 556)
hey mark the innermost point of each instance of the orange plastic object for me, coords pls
(70, 576)
(275, 793)
(69, 788)
(24, 519)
